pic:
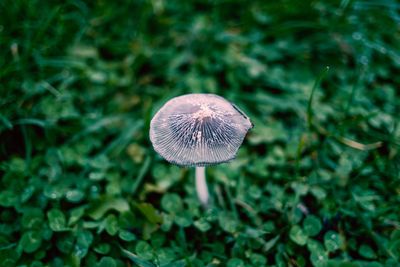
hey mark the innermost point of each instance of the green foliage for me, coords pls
(312, 225)
(297, 235)
(316, 182)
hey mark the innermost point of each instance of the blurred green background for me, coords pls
(316, 182)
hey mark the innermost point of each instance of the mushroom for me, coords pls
(198, 130)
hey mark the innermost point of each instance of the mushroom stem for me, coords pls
(201, 185)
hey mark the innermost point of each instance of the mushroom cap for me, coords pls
(198, 130)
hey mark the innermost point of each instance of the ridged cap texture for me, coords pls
(198, 130)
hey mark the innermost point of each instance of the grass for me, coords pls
(316, 182)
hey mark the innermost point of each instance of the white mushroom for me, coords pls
(198, 130)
